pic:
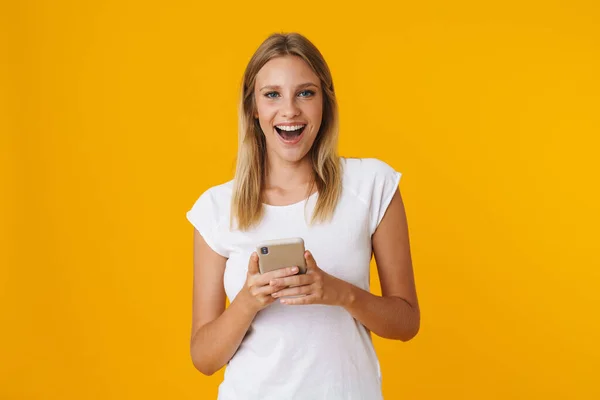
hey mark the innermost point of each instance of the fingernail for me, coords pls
(294, 269)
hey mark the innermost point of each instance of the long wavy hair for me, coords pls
(247, 201)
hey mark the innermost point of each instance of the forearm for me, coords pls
(390, 317)
(216, 342)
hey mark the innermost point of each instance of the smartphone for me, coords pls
(281, 253)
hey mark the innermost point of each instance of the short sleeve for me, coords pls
(206, 218)
(384, 186)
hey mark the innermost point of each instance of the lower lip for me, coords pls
(290, 142)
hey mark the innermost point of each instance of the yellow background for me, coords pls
(116, 115)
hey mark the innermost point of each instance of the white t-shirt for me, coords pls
(306, 352)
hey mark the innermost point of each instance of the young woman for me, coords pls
(287, 335)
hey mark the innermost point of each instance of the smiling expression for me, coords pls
(289, 105)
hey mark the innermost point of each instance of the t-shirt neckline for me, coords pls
(273, 207)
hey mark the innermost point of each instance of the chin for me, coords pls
(292, 156)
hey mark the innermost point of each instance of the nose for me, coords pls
(289, 108)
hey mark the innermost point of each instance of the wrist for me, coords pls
(348, 296)
(244, 304)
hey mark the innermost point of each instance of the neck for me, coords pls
(288, 175)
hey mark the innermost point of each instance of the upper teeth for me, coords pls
(289, 128)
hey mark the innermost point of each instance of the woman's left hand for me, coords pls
(316, 286)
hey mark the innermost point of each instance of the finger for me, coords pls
(278, 273)
(265, 300)
(295, 280)
(305, 289)
(311, 264)
(267, 290)
(309, 299)
(253, 264)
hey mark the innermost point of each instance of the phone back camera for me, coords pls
(264, 250)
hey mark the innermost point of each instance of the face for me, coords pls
(290, 107)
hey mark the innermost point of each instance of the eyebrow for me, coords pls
(303, 85)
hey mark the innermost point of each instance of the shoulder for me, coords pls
(212, 206)
(374, 182)
(220, 193)
(366, 174)
(365, 167)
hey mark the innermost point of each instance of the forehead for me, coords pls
(285, 71)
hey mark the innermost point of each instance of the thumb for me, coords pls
(311, 264)
(253, 264)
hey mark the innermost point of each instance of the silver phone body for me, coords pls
(281, 253)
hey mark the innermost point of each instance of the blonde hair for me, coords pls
(247, 201)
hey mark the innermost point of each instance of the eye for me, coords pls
(268, 95)
(309, 93)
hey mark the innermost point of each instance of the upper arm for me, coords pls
(208, 291)
(391, 248)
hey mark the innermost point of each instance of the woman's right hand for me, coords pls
(256, 293)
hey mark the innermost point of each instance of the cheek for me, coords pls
(265, 119)
(316, 113)
(265, 111)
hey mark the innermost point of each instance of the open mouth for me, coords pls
(291, 135)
